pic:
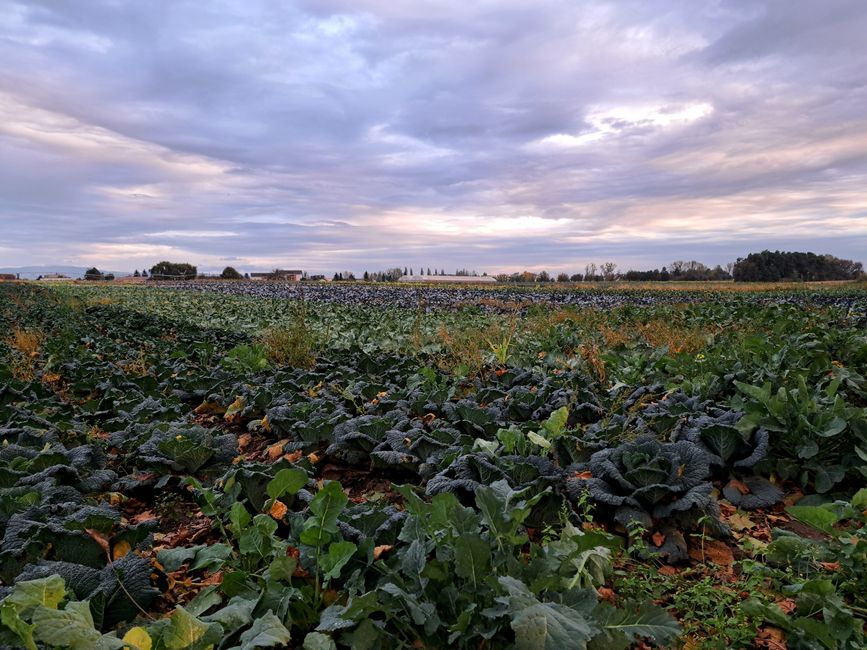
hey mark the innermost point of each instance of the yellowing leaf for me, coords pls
(120, 549)
(535, 438)
(138, 639)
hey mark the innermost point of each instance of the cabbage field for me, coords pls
(244, 465)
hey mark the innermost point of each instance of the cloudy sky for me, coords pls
(490, 134)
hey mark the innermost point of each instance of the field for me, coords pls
(243, 465)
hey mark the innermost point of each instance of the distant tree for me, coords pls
(428, 270)
(543, 277)
(173, 271)
(229, 273)
(144, 273)
(609, 271)
(136, 274)
(576, 277)
(664, 275)
(772, 267)
(405, 271)
(366, 276)
(93, 273)
(590, 272)
(108, 276)
(562, 277)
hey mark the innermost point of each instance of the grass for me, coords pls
(27, 344)
(707, 602)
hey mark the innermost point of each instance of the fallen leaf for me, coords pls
(740, 522)
(314, 458)
(294, 457)
(771, 638)
(658, 539)
(830, 566)
(276, 450)
(120, 549)
(213, 579)
(145, 515)
(606, 594)
(379, 550)
(739, 486)
(278, 510)
(788, 605)
(668, 570)
(713, 550)
(244, 441)
(582, 476)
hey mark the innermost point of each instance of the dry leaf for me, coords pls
(314, 458)
(771, 638)
(294, 457)
(145, 515)
(713, 550)
(830, 566)
(788, 605)
(278, 510)
(739, 486)
(120, 549)
(379, 550)
(244, 441)
(740, 522)
(658, 539)
(276, 450)
(668, 570)
(582, 476)
(792, 498)
(606, 594)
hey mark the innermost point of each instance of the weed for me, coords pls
(292, 346)
(710, 613)
(26, 343)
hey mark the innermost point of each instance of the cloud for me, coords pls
(332, 134)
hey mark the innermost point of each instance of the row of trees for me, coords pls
(766, 266)
(773, 267)
(607, 272)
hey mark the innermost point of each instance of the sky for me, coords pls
(502, 135)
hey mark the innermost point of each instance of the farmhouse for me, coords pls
(455, 279)
(279, 275)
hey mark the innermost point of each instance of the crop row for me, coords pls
(118, 416)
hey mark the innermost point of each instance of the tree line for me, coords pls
(765, 266)
(775, 266)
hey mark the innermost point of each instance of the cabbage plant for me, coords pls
(651, 484)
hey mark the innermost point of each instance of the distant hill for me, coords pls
(33, 272)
